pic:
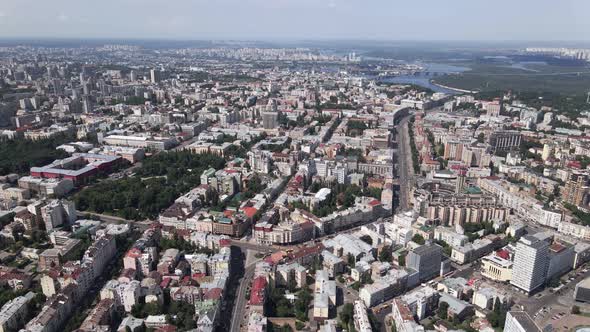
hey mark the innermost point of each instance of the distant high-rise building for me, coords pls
(426, 260)
(133, 76)
(520, 321)
(36, 102)
(25, 104)
(493, 108)
(273, 87)
(156, 76)
(530, 263)
(50, 72)
(576, 188)
(86, 104)
(505, 140)
(548, 149)
(86, 88)
(270, 120)
(57, 86)
(460, 184)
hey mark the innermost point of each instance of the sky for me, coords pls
(463, 20)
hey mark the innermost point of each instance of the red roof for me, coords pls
(249, 211)
(258, 289)
(213, 294)
(275, 257)
(196, 276)
(225, 242)
(165, 282)
(306, 251)
(574, 164)
(557, 247)
(167, 328)
(375, 202)
(502, 253)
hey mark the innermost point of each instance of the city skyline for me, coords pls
(288, 19)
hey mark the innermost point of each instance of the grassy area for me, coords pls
(535, 78)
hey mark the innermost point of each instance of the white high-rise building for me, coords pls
(530, 263)
(520, 321)
(155, 76)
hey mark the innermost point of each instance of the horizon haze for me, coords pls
(426, 20)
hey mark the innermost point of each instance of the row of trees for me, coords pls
(414, 149)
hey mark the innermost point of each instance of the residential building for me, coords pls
(361, 318)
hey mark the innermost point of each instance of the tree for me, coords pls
(481, 137)
(418, 239)
(291, 285)
(575, 310)
(443, 310)
(393, 327)
(554, 282)
(155, 186)
(402, 260)
(299, 325)
(347, 314)
(351, 260)
(304, 298)
(19, 155)
(367, 239)
(385, 254)
(498, 316)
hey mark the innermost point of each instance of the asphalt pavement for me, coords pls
(404, 162)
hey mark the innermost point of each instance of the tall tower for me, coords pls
(530, 263)
(155, 76)
(576, 188)
(460, 184)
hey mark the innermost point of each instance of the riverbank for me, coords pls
(433, 82)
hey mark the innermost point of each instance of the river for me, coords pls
(431, 71)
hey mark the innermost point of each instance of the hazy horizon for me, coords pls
(292, 20)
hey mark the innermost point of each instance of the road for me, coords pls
(404, 162)
(239, 309)
(547, 298)
(108, 219)
(182, 145)
(261, 248)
